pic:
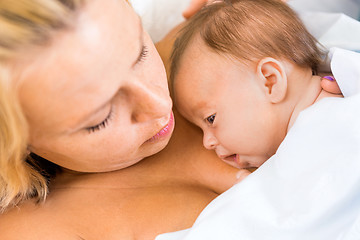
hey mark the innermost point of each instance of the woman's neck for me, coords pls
(123, 178)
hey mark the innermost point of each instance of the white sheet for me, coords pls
(333, 29)
(348, 7)
(310, 189)
(343, 65)
(159, 16)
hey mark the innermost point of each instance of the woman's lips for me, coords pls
(165, 131)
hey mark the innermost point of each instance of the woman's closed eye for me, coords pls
(101, 125)
(211, 119)
(143, 54)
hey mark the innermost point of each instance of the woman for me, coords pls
(83, 86)
(92, 91)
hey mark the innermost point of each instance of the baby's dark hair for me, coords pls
(249, 30)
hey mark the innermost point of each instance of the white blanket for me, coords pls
(310, 189)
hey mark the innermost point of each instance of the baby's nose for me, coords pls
(209, 141)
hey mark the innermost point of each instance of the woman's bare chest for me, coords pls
(130, 213)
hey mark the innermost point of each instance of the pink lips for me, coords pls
(165, 131)
(232, 157)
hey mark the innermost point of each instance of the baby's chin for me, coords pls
(240, 162)
(235, 165)
(231, 163)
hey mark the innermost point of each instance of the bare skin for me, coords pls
(161, 193)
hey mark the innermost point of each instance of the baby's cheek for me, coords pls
(230, 139)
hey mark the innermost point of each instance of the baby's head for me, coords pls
(230, 75)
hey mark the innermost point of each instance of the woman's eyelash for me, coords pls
(211, 119)
(143, 54)
(101, 125)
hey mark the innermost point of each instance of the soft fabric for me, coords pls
(333, 29)
(348, 7)
(159, 16)
(345, 65)
(310, 189)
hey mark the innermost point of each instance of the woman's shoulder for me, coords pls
(31, 221)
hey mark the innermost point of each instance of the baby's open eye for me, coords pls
(211, 118)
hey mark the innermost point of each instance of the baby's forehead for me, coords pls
(195, 46)
(198, 55)
(197, 49)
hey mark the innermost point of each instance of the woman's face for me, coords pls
(97, 98)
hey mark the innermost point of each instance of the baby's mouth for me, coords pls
(235, 158)
(231, 157)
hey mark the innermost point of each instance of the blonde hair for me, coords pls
(24, 24)
(249, 30)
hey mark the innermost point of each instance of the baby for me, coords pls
(242, 70)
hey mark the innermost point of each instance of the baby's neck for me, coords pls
(305, 89)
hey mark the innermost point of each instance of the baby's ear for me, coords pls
(273, 80)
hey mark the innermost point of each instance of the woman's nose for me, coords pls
(149, 103)
(209, 141)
